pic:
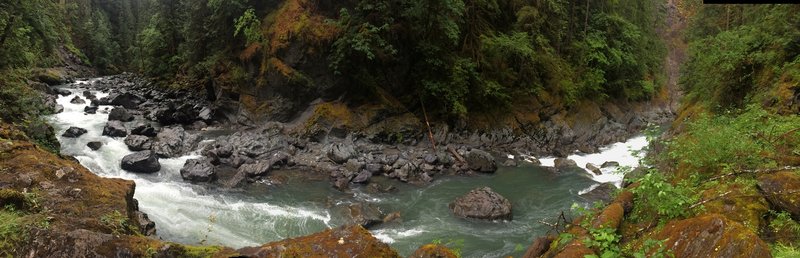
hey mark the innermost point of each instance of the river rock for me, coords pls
(175, 113)
(120, 114)
(262, 167)
(562, 164)
(58, 108)
(433, 251)
(144, 129)
(146, 226)
(366, 215)
(90, 109)
(594, 169)
(115, 129)
(782, 190)
(341, 152)
(62, 91)
(77, 100)
(74, 132)
(362, 177)
(126, 100)
(481, 161)
(345, 241)
(94, 145)
(173, 142)
(89, 95)
(138, 142)
(609, 164)
(141, 162)
(600, 193)
(482, 203)
(711, 235)
(198, 170)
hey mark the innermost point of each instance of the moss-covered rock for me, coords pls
(782, 190)
(742, 204)
(351, 241)
(711, 235)
(433, 251)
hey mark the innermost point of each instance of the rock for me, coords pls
(782, 190)
(354, 166)
(482, 203)
(141, 162)
(262, 167)
(89, 95)
(562, 164)
(62, 91)
(711, 235)
(138, 142)
(90, 109)
(433, 251)
(345, 241)
(144, 129)
(378, 188)
(115, 129)
(74, 132)
(198, 170)
(94, 145)
(176, 114)
(610, 217)
(594, 169)
(634, 175)
(394, 216)
(609, 164)
(538, 247)
(120, 114)
(600, 193)
(481, 161)
(341, 152)
(173, 142)
(126, 100)
(366, 215)
(58, 108)
(146, 226)
(362, 177)
(77, 100)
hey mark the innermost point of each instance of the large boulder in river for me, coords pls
(127, 100)
(141, 162)
(198, 170)
(77, 100)
(602, 193)
(481, 161)
(711, 235)
(90, 109)
(138, 142)
(120, 114)
(341, 152)
(115, 129)
(782, 190)
(94, 145)
(176, 113)
(173, 142)
(562, 164)
(74, 132)
(345, 241)
(364, 214)
(144, 129)
(482, 203)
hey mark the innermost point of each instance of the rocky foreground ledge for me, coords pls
(54, 207)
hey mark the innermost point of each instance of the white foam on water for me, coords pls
(391, 235)
(627, 153)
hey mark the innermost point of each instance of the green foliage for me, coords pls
(653, 249)
(785, 251)
(116, 222)
(250, 26)
(11, 233)
(658, 199)
(782, 220)
(29, 33)
(604, 239)
(735, 141)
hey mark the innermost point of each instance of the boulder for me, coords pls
(74, 132)
(58, 108)
(345, 241)
(782, 190)
(173, 142)
(141, 162)
(602, 193)
(94, 145)
(120, 114)
(77, 100)
(366, 215)
(138, 142)
(62, 91)
(482, 203)
(433, 251)
(90, 109)
(609, 164)
(198, 170)
(115, 129)
(126, 100)
(562, 164)
(341, 152)
(144, 129)
(594, 169)
(539, 247)
(711, 235)
(176, 114)
(362, 177)
(481, 161)
(262, 167)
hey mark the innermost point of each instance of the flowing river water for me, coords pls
(260, 213)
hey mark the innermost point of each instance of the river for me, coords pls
(260, 213)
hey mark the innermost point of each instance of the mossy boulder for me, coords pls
(348, 241)
(711, 235)
(782, 190)
(742, 204)
(433, 251)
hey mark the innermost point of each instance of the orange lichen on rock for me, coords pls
(351, 241)
(297, 19)
(433, 251)
(711, 235)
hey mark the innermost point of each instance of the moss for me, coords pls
(200, 251)
(433, 251)
(10, 231)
